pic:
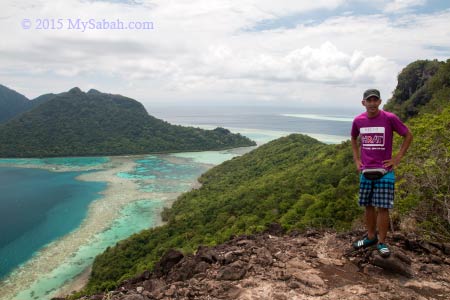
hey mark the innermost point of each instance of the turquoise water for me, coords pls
(152, 174)
(36, 207)
(134, 217)
(155, 174)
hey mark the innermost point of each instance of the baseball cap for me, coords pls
(371, 92)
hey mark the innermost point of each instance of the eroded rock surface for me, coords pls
(312, 265)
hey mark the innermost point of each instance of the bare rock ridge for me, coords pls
(280, 266)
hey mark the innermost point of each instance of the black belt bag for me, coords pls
(374, 174)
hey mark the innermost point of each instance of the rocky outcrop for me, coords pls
(312, 265)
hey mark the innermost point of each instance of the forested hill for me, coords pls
(299, 183)
(11, 103)
(76, 123)
(423, 86)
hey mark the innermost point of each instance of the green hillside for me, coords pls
(423, 197)
(93, 123)
(417, 84)
(11, 103)
(300, 183)
(295, 180)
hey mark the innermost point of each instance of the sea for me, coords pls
(57, 214)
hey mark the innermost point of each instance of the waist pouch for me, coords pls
(374, 174)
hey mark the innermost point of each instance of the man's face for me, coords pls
(371, 104)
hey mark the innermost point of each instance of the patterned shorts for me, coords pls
(379, 192)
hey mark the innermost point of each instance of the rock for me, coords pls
(186, 269)
(153, 284)
(282, 256)
(446, 249)
(402, 256)
(412, 244)
(312, 233)
(245, 243)
(398, 236)
(429, 248)
(422, 285)
(169, 259)
(312, 254)
(294, 284)
(233, 292)
(282, 275)
(436, 260)
(297, 263)
(234, 271)
(201, 267)
(309, 279)
(294, 233)
(263, 256)
(231, 256)
(392, 264)
(429, 269)
(171, 291)
(279, 296)
(371, 270)
(267, 266)
(206, 254)
(133, 297)
(274, 229)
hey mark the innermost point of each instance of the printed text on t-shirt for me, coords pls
(372, 136)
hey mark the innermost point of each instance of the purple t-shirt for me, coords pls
(376, 137)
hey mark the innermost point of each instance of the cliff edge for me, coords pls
(281, 266)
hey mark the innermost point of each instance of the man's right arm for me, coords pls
(355, 149)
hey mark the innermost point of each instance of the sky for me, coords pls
(321, 53)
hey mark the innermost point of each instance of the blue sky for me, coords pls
(221, 52)
(355, 8)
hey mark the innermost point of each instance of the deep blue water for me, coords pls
(265, 118)
(38, 206)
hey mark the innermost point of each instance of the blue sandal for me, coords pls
(365, 242)
(383, 250)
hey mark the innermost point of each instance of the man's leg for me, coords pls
(371, 221)
(383, 223)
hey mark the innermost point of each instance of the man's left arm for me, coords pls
(407, 139)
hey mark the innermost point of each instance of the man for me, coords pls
(375, 128)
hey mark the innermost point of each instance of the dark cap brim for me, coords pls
(371, 95)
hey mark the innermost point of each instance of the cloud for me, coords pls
(201, 50)
(401, 6)
(325, 64)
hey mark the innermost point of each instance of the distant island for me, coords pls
(76, 123)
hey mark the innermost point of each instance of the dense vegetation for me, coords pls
(414, 89)
(300, 183)
(294, 180)
(78, 124)
(11, 103)
(423, 197)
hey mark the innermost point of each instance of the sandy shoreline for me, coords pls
(102, 212)
(76, 284)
